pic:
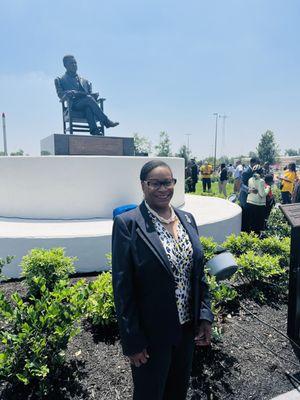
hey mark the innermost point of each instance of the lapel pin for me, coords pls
(188, 219)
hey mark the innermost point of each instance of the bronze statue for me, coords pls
(72, 86)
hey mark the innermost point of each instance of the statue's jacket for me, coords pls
(69, 82)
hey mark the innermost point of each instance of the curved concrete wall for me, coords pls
(90, 240)
(74, 187)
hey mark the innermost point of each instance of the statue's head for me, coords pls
(70, 63)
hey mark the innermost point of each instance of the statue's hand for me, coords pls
(71, 93)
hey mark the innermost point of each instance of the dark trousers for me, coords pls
(286, 197)
(206, 182)
(92, 111)
(166, 374)
(193, 185)
(255, 218)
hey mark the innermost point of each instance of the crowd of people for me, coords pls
(252, 187)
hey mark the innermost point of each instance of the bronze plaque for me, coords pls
(95, 146)
(291, 213)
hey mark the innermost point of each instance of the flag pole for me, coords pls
(4, 134)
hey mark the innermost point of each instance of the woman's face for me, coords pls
(157, 195)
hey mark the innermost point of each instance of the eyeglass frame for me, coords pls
(162, 183)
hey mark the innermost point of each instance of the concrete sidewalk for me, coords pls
(292, 395)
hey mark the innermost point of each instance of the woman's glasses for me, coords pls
(156, 184)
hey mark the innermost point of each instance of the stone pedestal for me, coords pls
(83, 145)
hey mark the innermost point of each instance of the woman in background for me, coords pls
(223, 180)
(256, 201)
(287, 183)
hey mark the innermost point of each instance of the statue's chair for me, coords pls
(75, 121)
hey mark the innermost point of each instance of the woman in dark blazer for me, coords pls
(161, 296)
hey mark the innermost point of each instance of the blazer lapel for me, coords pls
(148, 233)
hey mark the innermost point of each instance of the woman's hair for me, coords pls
(269, 179)
(292, 167)
(149, 166)
(223, 165)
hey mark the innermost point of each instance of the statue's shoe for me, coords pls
(112, 124)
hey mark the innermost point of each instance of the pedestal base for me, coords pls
(83, 145)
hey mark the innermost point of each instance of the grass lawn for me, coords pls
(214, 189)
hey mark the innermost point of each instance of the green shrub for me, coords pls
(4, 261)
(240, 244)
(100, 304)
(221, 293)
(262, 268)
(35, 333)
(51, 264)
(277, 225)
(209, 247)
(276, 247)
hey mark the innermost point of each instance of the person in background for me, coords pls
(237, 176)
(287, 183)
(270, 200)
(230, 170)
(160, 292)
(266, 168)
(244, 190)
(223, 178)
(296, 193)
(194, 174)
(256, 201)
(206, 172)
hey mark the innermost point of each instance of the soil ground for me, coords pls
(237, 367)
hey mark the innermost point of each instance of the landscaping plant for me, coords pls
(5, 261)
(35, 333)
(100, 304)
(277, 225)
(53, 265)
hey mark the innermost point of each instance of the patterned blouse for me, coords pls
(180, 255)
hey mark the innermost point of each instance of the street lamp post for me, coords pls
(216, 138)
(223, 130)
(188, 142)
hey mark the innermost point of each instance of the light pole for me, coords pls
(216, 138)
(188, 142)
(4, 134)
(223, 130)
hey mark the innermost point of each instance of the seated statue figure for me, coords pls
(71, 85)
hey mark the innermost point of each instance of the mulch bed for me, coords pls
(237, 367)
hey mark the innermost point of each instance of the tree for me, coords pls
(252, 154)
(163, 148)
(2, 153)
(291, 152)
(185, 153)
(141, 144)
(20, 152)
(267, 148)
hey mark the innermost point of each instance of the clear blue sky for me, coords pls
(162, 65)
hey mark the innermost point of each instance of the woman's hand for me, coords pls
(139, 358)
(204, 334)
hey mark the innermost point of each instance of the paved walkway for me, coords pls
(292, 395)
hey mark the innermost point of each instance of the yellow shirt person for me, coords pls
(206, 170)
(288, 181)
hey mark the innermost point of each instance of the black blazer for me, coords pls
(143, 282)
